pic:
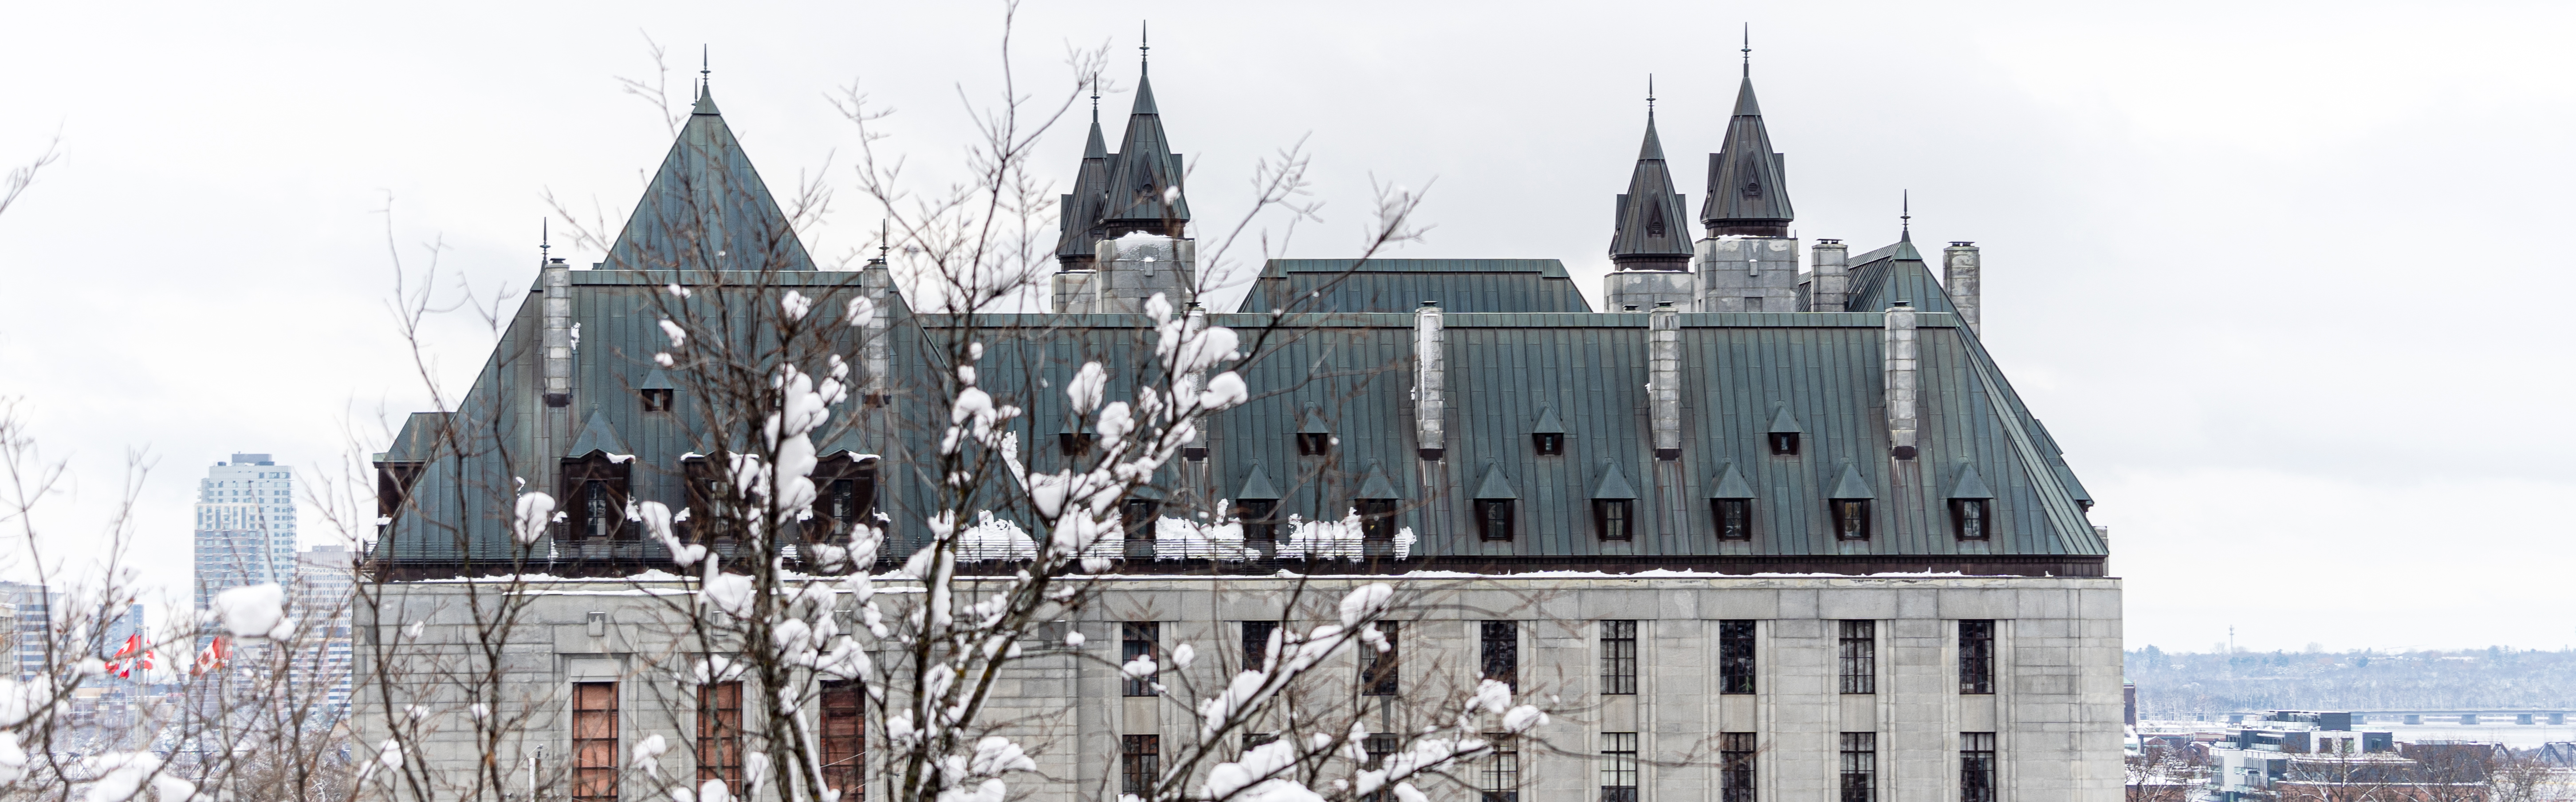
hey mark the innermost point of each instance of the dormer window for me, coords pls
(1734, 517)
(1255, 514)
(1655, 220)
(1784, 443)
(1610, 518)
(657, 400)
(1752, 189)
(1549, 443)
(848, 493)
(1851, 518)
(1494, 518)
(594, 493)
(1314, 444)
(1137, 516)
(1968, 518)
(1377, 520)
(1075, 444)
(1784, 431)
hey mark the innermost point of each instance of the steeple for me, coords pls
(706, 208)
(1651, 232)
(1144, 188)
(1080, 211)
(1748, 188)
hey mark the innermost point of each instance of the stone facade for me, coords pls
(2055, 707)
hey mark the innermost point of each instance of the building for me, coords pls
(245, 526)
(30, 630)
(1849, 510)
(325, 586)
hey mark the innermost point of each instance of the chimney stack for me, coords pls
(1664, 378)
(1832, 276)
(1430, 381)
(1899, 353)
(1959, 276)
(556, 339)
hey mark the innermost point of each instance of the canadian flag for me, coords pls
(212, 657)
(130, 657)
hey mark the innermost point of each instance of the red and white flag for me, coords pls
(213, 656)
(130, 657)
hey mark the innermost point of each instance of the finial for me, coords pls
(1748, 50)
(885, 240)
(1650, 96)
(1144, 45)
(703, 72)
(545, 241)
(1905, 214)
(1095, 97)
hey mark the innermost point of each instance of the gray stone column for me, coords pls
(1430, 381)
(1960, 275)
(1664, 378)
(1900, 357)
(1830, 262)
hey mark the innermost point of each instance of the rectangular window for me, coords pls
(1611, 517)
(1735, 657)
(1377, 523)
(594, 741)
(1753, 304)
(1784, 443)
(1860, 766)
(1968, 518)
(1976, 657)
(720, 734)
(1976, 767)
(1735, 753)
(1734, 518)
(1500, 779)
(1255, 515)
(1137, 639)
(1256, 644)
(845, 741)
(1494, 518)
(1377, 669)
(1140, 764)
(1851, 518)
(1619, 657)
(1618, 767)
(1378, 745)
(657, 400)
(1137, 515)
(1502, 652)
(1860, 656)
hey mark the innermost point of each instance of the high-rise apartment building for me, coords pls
(245, 525)
(325, 581)
(29, 628)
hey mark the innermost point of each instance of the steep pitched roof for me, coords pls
(1650, 225)
(598, 435)
(1894, 273)
(1495, 485)
(1079, 211)
(1748, 183)
(707, 209)
(1400, 285)
(1968, 485)
(1730, 484)
(1375, 486)
(1851, 486)
(1613, 484)
(1548, 422)
(1784, 423)
(1256, 486)
(1144, 187)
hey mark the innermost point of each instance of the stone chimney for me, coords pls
(556, 337)
(876, 351)
(1959, 276)
(1430, 381)
(1074, 294)
(1664, 378)
(1898, 350)
(1830, 263)
(1139, 265)
(1194, 321)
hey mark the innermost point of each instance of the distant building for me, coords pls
(325, 579)
(245, 526)
(29, 629)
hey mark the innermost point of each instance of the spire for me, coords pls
(1905, 215)
(707, 209)
(1748, 189)
(1079, 218)
(1143, 192)
(706, 94)
(1650, 231)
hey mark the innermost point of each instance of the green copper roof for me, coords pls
(706, 208)
(1547, 422)
(1613, 484)
(1401, 285)
(1652, 223)
(597, 436)
(1748, 183)
(1782, 422)
(1730, 484)
(1495, 485)
(1375, 485)
(1851, 486)
(1256, 486)
(1968, 485)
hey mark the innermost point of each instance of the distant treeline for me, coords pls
(2182, 685)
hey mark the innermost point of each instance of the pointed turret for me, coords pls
(1652, 233)
(1080, 221)
(1144, 188)
(1748, 188)
(706, 208)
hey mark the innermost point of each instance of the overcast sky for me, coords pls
(2282, 278)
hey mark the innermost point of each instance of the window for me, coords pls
(1501, 649)
(1377, 667)
(1976, 767)
(1137, 515)
(1753, 303)
(1735, 656)
(1968, 518)
(1074, 443)
(1494, 518)
(1377, 522)
(1610, 516)
(1256, 644)
(1860, 765)
(1784, 443)
(1976, 657)
(1549, 443)
(594, 492)
(845, 741)
(1734, 517)
(594, 741)
(1256, 517)
(710, 498)
(1619, 657)
(720, 733)
(1618, 767)
(1312, 444)
(1735, 753)
(1860, 656)
(1137, 639)
(1378, 745)
(849, 492)
(1851, 518)
(1654, 220)
(1752, 189)
(1140, 763)
(657, 400)
(1500, 779)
